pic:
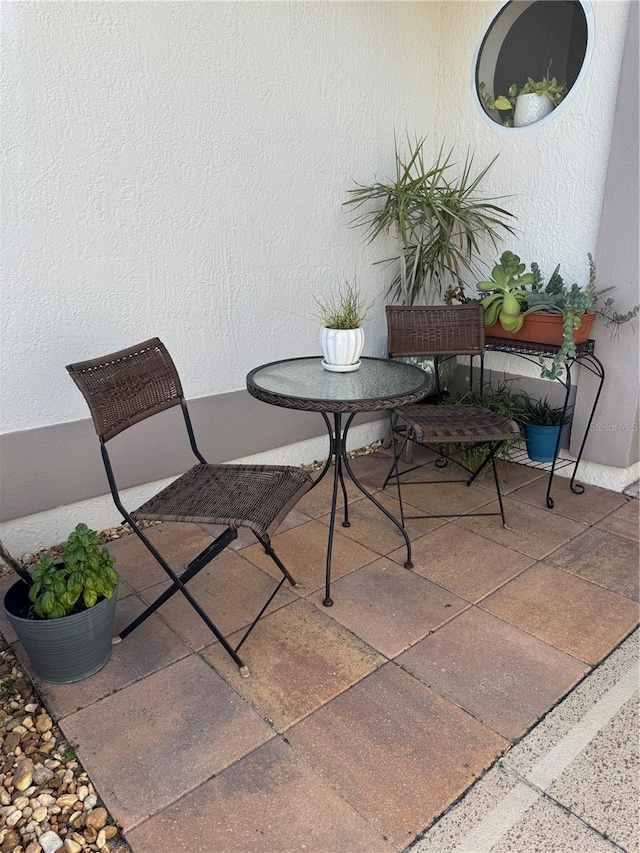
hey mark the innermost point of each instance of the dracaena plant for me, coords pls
(439, 219)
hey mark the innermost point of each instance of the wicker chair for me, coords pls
(443, 331)
(126, 387)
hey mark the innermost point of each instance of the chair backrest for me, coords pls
(434, 330)
(126, 387)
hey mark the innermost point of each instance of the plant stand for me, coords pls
(586, 358)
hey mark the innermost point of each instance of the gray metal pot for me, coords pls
(67, 649)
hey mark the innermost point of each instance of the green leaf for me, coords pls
(502, 103)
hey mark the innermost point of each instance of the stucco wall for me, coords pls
(178, 169)
(555, 175)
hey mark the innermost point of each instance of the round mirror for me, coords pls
(532, 56)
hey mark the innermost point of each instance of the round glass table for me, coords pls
(378, 385)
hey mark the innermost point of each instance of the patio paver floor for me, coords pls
(360, 723)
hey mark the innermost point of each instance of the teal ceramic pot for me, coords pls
(67, 649)
(541, 441)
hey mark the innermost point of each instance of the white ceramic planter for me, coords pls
(530, 109)
(341, 348)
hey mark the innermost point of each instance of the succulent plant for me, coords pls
(506, 293)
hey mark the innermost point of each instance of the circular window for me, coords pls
(534, 54)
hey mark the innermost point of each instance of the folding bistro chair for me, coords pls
(443, 331)
(126, 387)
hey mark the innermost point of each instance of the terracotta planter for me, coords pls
(543, 329)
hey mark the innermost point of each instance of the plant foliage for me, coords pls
(85, 576)
(511, 294)
(540, 412)
(438, 218)
(546, 87)
(343, 309)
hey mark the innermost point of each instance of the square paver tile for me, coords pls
(149, 648)
(460, 560)
(177, 542)
(231, 590)
(317, 501)
(183, 725)
(299, 659)
(268, 801)
(530, 530)
(512, 476)
(303, 550)
(624, 521)
(396, 751)
(389, 607)
(592, 505)
(604, 558)
(370, 527)
(371, 469)
(440, 497)
(503, 676)
(567, 612)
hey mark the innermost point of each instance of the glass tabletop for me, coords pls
(302, 383)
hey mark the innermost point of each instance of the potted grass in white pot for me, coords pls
(341, 334)
(63, 612)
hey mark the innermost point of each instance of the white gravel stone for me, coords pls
(90, 802)
(13, 818)
(50, 841)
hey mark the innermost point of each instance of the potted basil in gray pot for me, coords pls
(63, 613)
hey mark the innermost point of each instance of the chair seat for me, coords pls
(254, 496)
(447, 423)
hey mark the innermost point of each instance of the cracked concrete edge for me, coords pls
(508, 809)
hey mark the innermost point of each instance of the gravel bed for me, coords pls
(47, 801)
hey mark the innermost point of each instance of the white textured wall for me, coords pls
(178, 169)
(555, 172)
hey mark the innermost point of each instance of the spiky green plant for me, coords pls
(438, 218)
(343, 308)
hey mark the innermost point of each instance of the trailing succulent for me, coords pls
(512, 294)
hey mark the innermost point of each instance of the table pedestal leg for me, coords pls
(338, 454)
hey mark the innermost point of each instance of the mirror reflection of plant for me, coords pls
(547, 87)
(343, 308)
(439, 221)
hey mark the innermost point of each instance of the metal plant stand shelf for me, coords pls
(585, 357)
